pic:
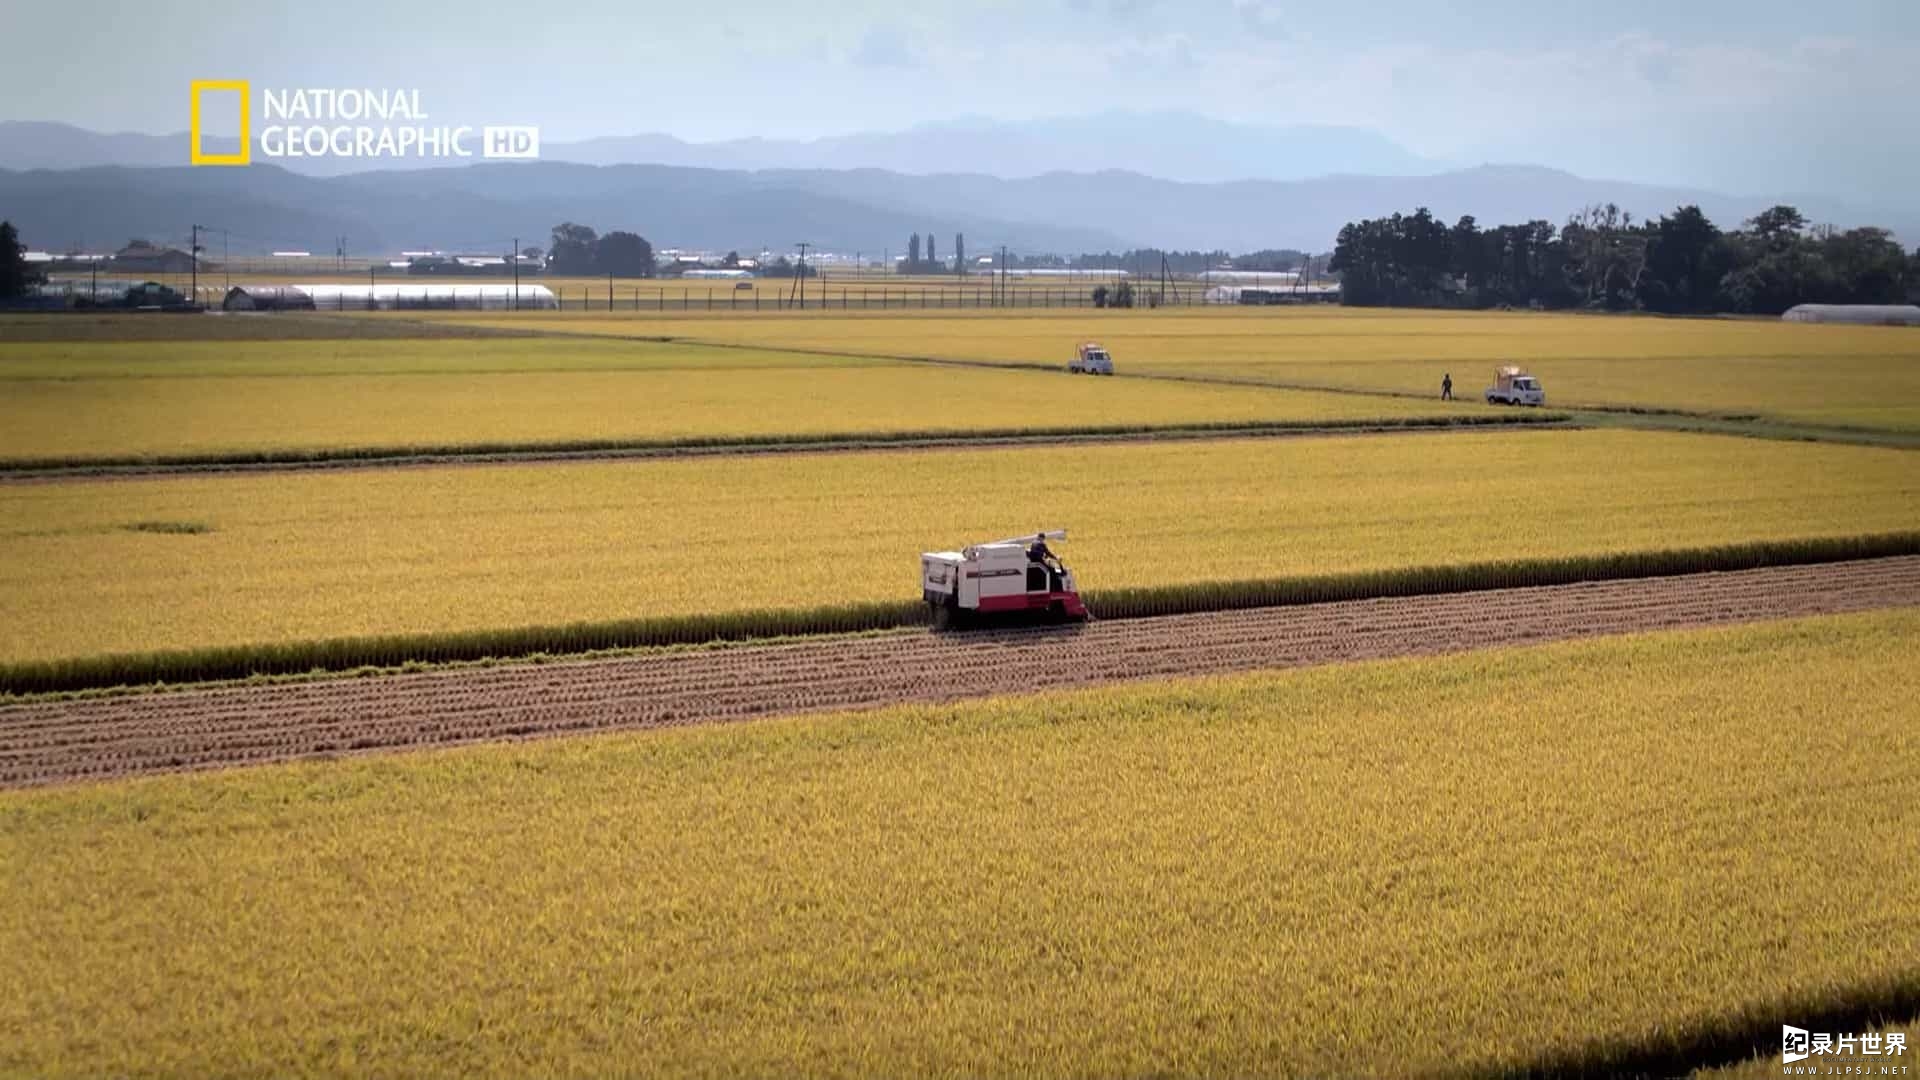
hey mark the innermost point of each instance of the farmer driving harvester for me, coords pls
(1039, 552)
(1043, 555)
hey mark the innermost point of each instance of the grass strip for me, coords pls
(584, 447)
(349, 653)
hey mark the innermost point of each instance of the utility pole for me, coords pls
(800, 275)
(194, 296)
(515, 258)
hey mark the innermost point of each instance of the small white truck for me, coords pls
(1009, 577)
(1511, 386)
(1090, 359)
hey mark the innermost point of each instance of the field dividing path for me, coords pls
(77, 739)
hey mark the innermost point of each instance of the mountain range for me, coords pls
(1171, 145)
(86, 191)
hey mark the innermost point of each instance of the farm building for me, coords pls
(143, 258)
(1867, 314)
(401, 297)
(266, 298)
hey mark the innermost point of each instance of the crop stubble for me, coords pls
(48, 742)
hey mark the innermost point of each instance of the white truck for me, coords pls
(1511, 386)
(1090, 359)
(1009, 577)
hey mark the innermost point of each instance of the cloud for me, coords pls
(1113, 9)
(1269, 18)
(885, 47)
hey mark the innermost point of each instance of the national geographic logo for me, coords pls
(324, 122)
(203, 87)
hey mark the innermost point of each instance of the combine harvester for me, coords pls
(1004, 578)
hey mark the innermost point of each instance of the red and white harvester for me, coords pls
(1009, 577)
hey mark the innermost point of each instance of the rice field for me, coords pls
(1473, 864)
(1848, 376)
(80, 402)
(136, 565)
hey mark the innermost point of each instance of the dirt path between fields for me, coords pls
(95, 738)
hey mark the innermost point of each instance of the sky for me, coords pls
(1736, 95)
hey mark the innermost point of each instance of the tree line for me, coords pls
(577, 250)
(1679, 263)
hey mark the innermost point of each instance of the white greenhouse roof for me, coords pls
(1873, 314)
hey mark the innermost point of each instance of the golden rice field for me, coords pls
(76, 401)
(1468, 864)
(96, 566)
(1863, 376)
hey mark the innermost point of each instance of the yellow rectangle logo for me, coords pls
(245, 90)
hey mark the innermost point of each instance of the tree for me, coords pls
(531, 252)
(572, 249)
(15, 277)
(913, 252)
(1777, 223)
(1868, 267)
(623, 254)
(1606, 256)
(732, 260)
(932, 257)
(1467, 258)
(1682, 262)
(959, 253)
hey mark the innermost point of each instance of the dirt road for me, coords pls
(61, 741)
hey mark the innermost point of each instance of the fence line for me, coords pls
(769, 294)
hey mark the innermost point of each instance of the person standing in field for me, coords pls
(1446, 387)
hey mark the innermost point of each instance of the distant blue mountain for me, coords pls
(54, 185)
(1171, 146)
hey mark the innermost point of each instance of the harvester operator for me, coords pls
(1039, 552)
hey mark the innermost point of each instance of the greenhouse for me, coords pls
(1863, 314)
(423, 297)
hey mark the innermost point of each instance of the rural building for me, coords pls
(1864, 314)
(147, 259)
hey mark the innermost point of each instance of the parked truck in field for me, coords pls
(1004, 578)
(1090, 359)
(1511, 386)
